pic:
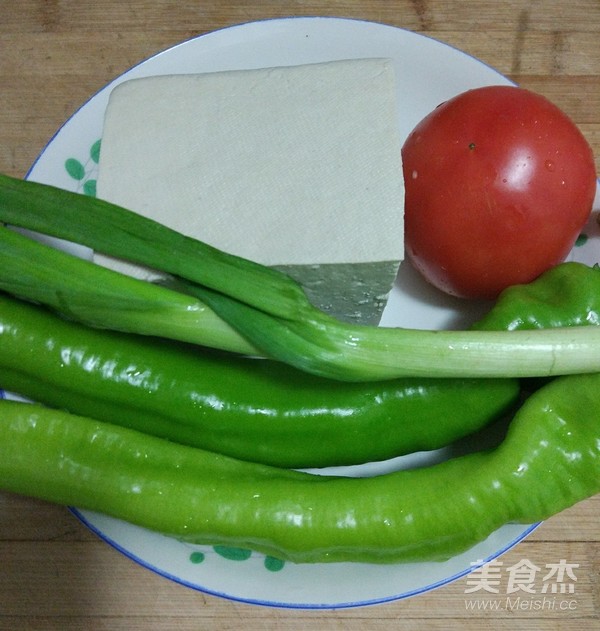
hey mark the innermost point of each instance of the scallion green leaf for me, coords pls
(118, 232)
(103, 298)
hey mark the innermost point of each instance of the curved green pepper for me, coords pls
(565, 295)
(252, 409)
(549, 459)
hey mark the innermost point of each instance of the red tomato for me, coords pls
(499, 183)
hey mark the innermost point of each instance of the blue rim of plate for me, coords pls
(281, 605)
(527, 530)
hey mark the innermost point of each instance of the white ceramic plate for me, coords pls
(428, 72)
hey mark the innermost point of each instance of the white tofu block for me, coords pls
(293, 167)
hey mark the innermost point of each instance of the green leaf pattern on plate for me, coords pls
(231, 553)
(75, 169)
(84, 172)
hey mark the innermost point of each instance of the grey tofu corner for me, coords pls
(295, 167)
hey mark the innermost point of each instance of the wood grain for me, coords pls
(54, 573)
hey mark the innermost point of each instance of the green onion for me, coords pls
(349, 352)
(99, 297)
(118, 232)
(244, 307)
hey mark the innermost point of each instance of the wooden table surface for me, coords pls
(54, 54)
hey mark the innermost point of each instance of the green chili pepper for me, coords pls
(549, 460)
(252, 409)
(565, 295)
